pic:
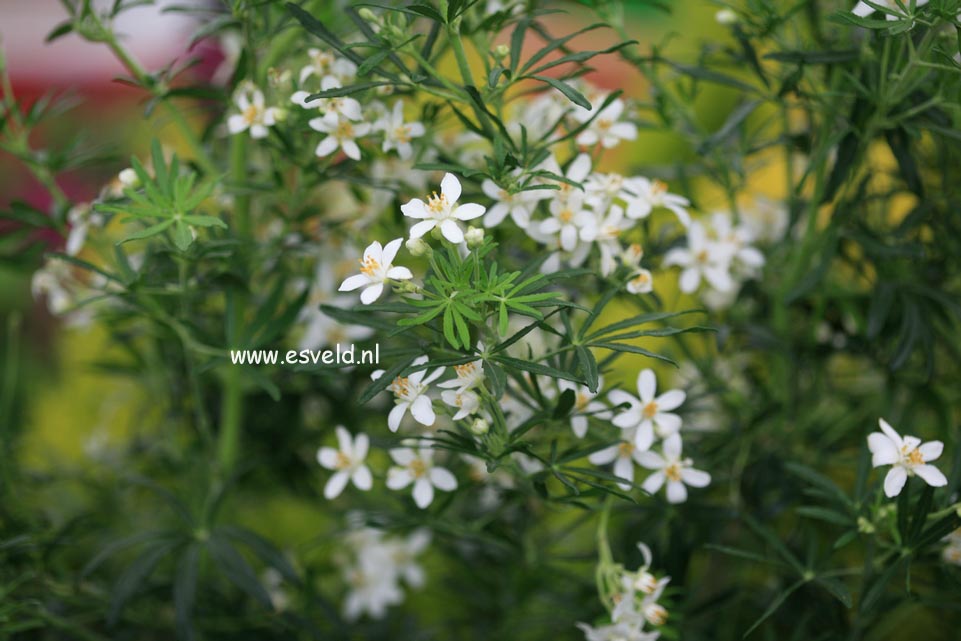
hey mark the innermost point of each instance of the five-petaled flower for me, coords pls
(341, 132)
(908, 455)
(442, 211)
(397, 133)
(649, 413)
(411, 393)
(254, 115)
(376, 268)
(417, 466)
(677, 472)
(347, 462)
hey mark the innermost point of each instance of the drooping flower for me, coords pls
(397, 132)
(466, 402)
(648, 412)
(376, 268)
(411, 393)
(468, 375)
(671, 468)
(341, 132)
(254, 115)
(348, 463)
(81, 218)
(908, 456)
(442, 211)
(417, 466)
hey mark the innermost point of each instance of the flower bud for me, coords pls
(479, 427)
(366, 14)
(128, 178)
(474, 237)
(501, 51)
(417, 247)
(865, 526)
(726, 17)
(655, 614)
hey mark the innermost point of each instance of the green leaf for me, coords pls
(182, 235)
(588, 367)
(153, 230)
(633, 349)
(135, 575)
(837, 589)
(536, 368)
(265, 550)
(569, 92)
(236, 569)
(205, 221)
(773, 607)
(185, 590)
(564, 404)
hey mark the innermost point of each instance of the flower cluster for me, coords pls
(636, 596)
(650, 416)
(377, 567)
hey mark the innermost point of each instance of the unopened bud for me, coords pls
(726, 17)
(474, 237)
(366, 14)
(500, 51)
(128, 178)
(655, 614)
(865, 526)
(479, 427)
(417, 247)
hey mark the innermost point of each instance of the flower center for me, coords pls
(582, 400)
(400, 386)
(604, 124)
(345, 129)
(914, 457)
(655, 614)
(658, 188)
(645, 582)
(650, 410)
(437, 204)
(251, 114)
(641, 279)
(402, 134)
(625, 449)
(466, 370)
(565, 216)
(369, 266)
(673, 472)
(418, 468)
(701, 256)
(343, 461)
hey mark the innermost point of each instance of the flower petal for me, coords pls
(423, 493)
(670, 400)
(676, 492)
(695, 478)
(452, 231)
(469, 211)
(894, 481)
(372, 293)
(646, 385)
(450, 188)
(396, 416)
(604, 456)
(931, 450)
(361, 478)
(422, 228)
(327, 457)
(653, 483)
(335, 485)
(398, 478)
(443, 479)
(423, 411)
(883, 449)
(931, 475)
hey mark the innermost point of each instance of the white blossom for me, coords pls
(606, 128)
(343, 106)
(585, 404)
(520, 206)
(442, 211)
(410, 392)
(376, 268)
(908, 456)
(416, 466)
(397, 132)
(863, 9)
(677, 472)
(644, 195)
(254, 115)
(703, 258)
(341, 132)
(648, 412)
(347, 461)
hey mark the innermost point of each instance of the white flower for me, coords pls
(373, 588)
(605, 230)
(348, 461)
(376, 268)
(468, 375)
(81, 218)
(344, 106)
(128, 178)
(641, 281)
(648, 413)
(568, 216)
(736, 240)
(52, 281)
(623, 455)
(397, 133)
(584, 405)
(442, 211)
(417, 467)
(253, 114)
(702, 258)
(404, 553)
(341, 132)
(863, 9)
(617, 632)
(908, 455)
(411, 393)
(643, 196)
(325, 64)
(605, 128)
(466, 402)
(673, 469)
(725, 17)
(520, 206)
